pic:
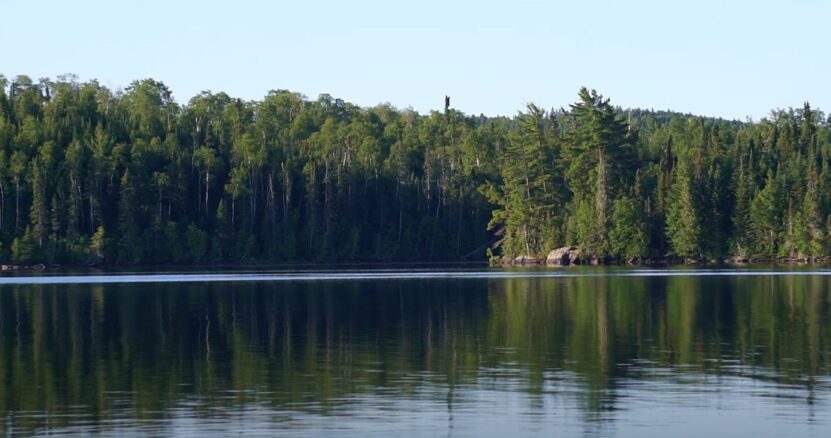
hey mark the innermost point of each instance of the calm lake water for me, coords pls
(587, 352)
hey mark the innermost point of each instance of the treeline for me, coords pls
(640, 184)
(92, 175)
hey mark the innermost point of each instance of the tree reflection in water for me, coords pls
(88, 355)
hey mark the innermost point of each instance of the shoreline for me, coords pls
(518, 262)
(662, 261)
(41, 267)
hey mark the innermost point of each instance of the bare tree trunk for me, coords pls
(2, 204)
(601, 197)
(207, 190)
(17, 205)
(272, 201)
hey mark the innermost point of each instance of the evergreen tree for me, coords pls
(528, 195)
(766, 213)
(129, 244)
(294, 179)
(197, 242)
(599, 151)
(628, 234)
(683, 221)
(742, 238)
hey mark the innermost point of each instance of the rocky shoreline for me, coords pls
(571, 256)
(8, 267)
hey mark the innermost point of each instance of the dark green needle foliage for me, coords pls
(93, 175)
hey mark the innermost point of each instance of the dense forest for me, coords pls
(90, 175)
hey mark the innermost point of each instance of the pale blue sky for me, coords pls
(723, 58)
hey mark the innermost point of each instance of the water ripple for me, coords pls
(376, 275)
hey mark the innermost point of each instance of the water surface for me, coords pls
(590, 352)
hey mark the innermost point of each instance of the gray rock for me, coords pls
(564, 256)
(526, 260)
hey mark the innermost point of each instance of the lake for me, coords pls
(490, 352)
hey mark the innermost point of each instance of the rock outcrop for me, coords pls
(564, 256)
(37, 267)
(526, 260)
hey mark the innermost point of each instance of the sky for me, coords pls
(732, 59)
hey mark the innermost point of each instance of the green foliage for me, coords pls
(293, 179)
(628, 234)
(598, 153)
(197, 241)
(23, 247)
(741, 240)
(129, 244)
(683, 221)
(766, 216)
(587, 230)
(97, 246)
(174, 249)
(531, 190)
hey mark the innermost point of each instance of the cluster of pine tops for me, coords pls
(93, 175)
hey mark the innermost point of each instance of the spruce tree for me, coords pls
(599, 151)
(766, 212)
(628, 233)
(129, 244)
(683, 221)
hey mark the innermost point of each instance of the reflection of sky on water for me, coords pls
(592, 352)
(396, 275)
(685, 404)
